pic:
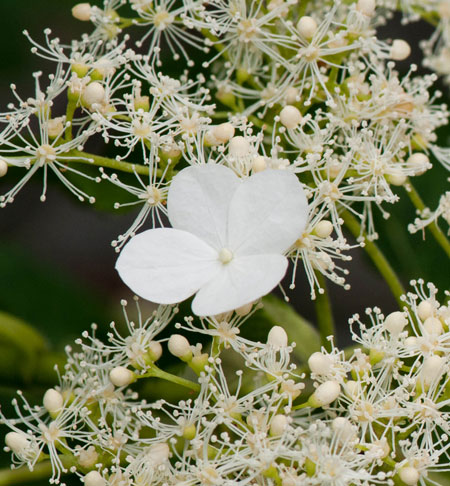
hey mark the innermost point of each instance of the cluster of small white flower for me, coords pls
(378, 416)
(310, 90)
(298, 124)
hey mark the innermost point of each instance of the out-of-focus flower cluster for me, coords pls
(307, 88)
(379, 415)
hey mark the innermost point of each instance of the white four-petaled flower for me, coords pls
(227, 241)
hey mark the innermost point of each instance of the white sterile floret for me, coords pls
(94, 478)
(179, 346)
(319, 363)
(121, 376)
(400, 50)
(82, 11)
(278, 425)
(395, 322)
(93, 93)
(53, 400)
(17, 442)
(290, 116)
(409, 475)
(307, 26)
(366, 7)
(3, 168)
(227, 243)
(277, 337)
(325, 394)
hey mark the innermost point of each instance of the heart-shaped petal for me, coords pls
(198, 201)
(166, 265)
(268, 212)
(239, 282)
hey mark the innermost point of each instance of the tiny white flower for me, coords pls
(227, 240)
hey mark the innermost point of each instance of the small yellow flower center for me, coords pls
(225, 256)
(163, 19)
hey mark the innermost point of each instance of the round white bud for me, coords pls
(395, 322)
(82, 11)
(351, 388)
(121, 376)
(223, 132)
(366, 7)
(432, 325)
(179, 346)
(277, 337)
(400, 50)
(344, 428)
(3, 168)
(323, 229)
(419, 162)
(93, 93)
(325, 394)
(244, 309)
(411, 342)
(409, 475)
(88, 457)
(259, 164)
(239, 147)
(17, 442)
(158, 453)
(319, 363)
(94, 478)
(291, 95)
(53, 400)
(55, 126)
(396, 177)
(307, 26)
(425, 310)
(432, 368)
(290, 116)
(154, 350)
(278, 424)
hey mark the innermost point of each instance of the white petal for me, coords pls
(166, 265)
(267, 214)
(198, 201)
(239, 282)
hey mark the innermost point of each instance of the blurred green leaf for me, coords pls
(44, 296)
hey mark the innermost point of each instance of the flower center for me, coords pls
(225, 256)
(45, 153)
(163, 19)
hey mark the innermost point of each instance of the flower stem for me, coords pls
(377, 258)
(109, 163)
(439, 236)
(324, 314)
(156, 372)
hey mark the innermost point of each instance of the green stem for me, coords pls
(71, 107)
(439, 236)
(377, 257)
(324, 313)
(109, 163)
(155, 372)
